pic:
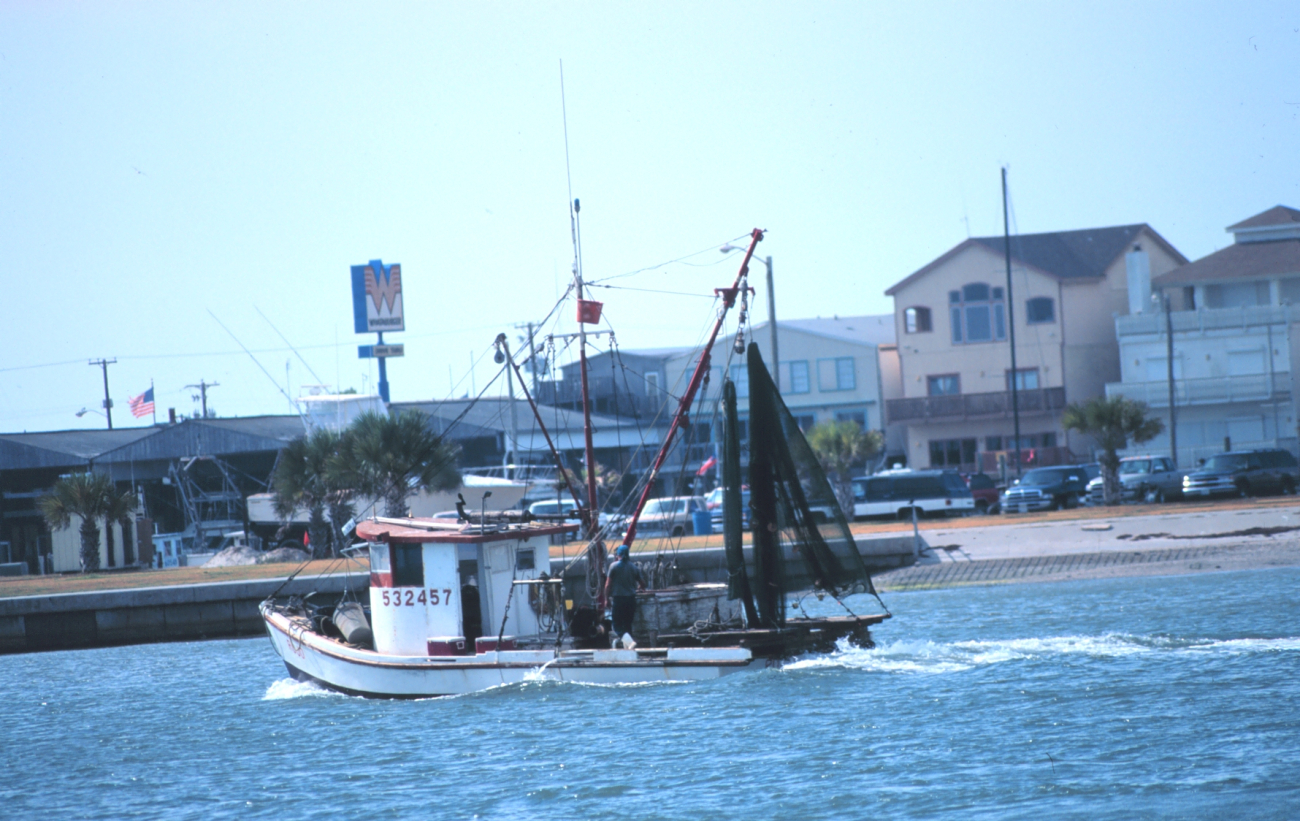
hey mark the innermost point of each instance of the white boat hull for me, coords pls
(348, 669)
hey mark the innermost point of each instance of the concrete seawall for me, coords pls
(150, 614)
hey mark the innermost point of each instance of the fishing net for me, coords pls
(793, 505)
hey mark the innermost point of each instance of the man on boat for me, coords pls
(620, 589)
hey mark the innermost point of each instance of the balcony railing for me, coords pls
(975, 405)
(1205, 319)
(1212, 391)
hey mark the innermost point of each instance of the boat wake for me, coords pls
(287, 688)
(928, 657)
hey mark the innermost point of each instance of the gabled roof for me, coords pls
(1084, 254)
(1277, 215)
(1246, 260)
(870, 329)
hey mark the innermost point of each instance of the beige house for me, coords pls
(953, 320)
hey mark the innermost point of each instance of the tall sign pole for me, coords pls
(376, 308)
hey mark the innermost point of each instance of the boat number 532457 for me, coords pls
(395, 598)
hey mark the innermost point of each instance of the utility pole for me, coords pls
(771, 322)
(108, 403)
(203, 393)
(1169, 353)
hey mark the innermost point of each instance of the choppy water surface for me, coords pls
(1156, 697)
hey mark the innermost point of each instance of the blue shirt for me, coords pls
(623, 578)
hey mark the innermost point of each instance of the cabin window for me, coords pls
(978, 314)
(524, 559)
(1040, 310)
(916, 320)
(408, 565)
(1026, 379)
(948, 384)
(1237, 294)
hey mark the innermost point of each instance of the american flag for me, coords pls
(141, 405)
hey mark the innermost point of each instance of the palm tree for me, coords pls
(1112, 422)
(840, 447)
(394, 455)
(307, 475)
(90, 497)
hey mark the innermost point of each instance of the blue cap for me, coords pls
(623, 551)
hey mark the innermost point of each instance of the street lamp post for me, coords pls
(771, 314)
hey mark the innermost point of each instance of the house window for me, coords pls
(1026, 379)
(1237, 294)
(952, 453)
(652, 383)
(948, 384)
(836, 374)
(740, 376)
(799, 381)
(1033, 440)
(1040, 310)
(916, 320)
(978, 314)
(852, 416)
(805, 421)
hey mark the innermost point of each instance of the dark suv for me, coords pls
(1244, 473)
(1053, 488)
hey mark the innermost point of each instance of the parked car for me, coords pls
(670, 516)
(714, 503)
(1054, 488)
(897, 493)
(984, 491)
(565, 507)
(1143, 479)
(1244, 473)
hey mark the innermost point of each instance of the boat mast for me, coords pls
(688, 397)
(590, 518)
(1011, 323)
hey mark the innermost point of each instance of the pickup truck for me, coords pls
(1142, 479)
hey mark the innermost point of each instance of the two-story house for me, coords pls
(1234, 339)
(954, 319)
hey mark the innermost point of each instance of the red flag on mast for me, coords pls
(589, 311)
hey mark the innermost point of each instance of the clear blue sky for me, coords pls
(161, 161)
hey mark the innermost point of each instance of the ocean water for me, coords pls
(1125, 698)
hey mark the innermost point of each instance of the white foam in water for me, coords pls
(288, 688)
(928, 657)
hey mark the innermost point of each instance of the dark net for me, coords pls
(808, 522)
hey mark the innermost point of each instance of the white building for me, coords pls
(1234, 336)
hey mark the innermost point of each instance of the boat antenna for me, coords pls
(282, 391)
(595, 545)
(313, 373)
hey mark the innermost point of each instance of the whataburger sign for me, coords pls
(377, 297)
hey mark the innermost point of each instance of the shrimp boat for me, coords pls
(460, 606)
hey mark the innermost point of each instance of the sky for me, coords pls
(186, 185)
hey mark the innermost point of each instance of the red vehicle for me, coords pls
(984, 491)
